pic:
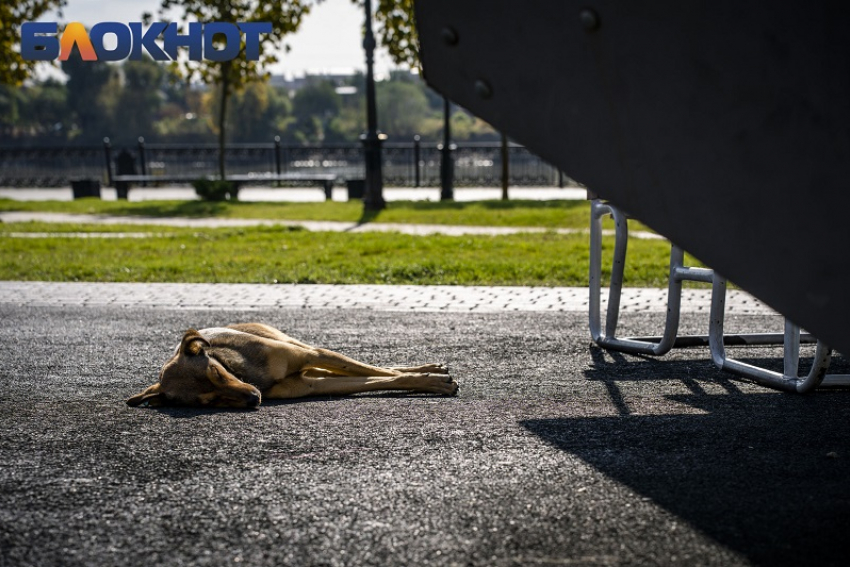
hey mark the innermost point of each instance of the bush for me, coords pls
(216, 190)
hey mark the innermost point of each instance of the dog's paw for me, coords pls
(436, 383)
(452, 386)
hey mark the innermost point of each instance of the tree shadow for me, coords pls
(367, 216)
(190, 209)
(492, 204)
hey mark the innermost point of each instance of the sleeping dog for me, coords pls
(240, 365)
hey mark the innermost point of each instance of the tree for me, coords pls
(87, 86)
(13, 69)
(45, 112)
(313, 107)
(396, 28)
(140, 99)
(11, 101)
(403, 107)
(259, 113)
(230, 76)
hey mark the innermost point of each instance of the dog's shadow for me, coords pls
(187, 412)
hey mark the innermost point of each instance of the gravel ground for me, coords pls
(554, 453)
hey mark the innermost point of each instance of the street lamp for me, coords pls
(447, 191)
(373, 198)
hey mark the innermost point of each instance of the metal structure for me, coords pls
(606, 336)
(723, 126)
(447, 190)
(373, 199)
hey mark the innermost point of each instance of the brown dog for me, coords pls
(239, 365)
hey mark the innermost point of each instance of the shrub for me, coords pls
(216, 190)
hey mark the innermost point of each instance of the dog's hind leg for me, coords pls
(343, 365)
(429, 368)
(316, 382)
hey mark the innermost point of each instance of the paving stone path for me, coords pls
(472, 299)
(315, 226)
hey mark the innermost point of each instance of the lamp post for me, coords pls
(373, 197)
(447, 191)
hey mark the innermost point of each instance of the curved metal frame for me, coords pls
(716, 340)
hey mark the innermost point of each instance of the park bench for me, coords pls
(324, 180)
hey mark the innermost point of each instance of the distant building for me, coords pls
(344, 82)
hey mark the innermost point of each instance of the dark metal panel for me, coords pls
(724, 125)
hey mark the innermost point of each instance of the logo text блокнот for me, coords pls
(40, 41)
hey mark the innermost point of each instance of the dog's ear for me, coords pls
(193, 343)
(152, 396)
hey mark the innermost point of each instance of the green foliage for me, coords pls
(402, 108)
(396, 30)
(11, 100)
(13, 69)
(232, 76)
(89, 96)
(216, 190)
(313, 107)
(139, 100)
(260, 112)
(160, 102)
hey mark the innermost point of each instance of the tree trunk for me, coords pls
(222, 116)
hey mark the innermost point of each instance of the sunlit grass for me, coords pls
(284, 255)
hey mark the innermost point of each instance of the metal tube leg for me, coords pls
(597, 210)
(792, 349)
(608, 339)
(618, 267)
(785, 381)
(788, 380)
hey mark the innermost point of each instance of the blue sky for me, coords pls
(329, 39)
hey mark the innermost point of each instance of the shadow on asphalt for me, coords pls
(182, 412)
(759, 473)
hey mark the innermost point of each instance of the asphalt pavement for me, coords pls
(553, 453)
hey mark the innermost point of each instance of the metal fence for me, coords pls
(411, 164)
(51, 166)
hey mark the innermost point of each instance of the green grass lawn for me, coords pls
(284, 255)
(547, 214)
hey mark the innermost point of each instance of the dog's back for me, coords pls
(244, 350)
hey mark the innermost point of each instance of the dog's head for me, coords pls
(192, 378)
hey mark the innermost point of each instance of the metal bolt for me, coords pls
(589, 19)
(449, 35)
(483, 89)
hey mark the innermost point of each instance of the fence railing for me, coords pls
(51, 166)
(412, 164)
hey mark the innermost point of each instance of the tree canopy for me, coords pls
(396, 29)
(232, 75)
(13, 69)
